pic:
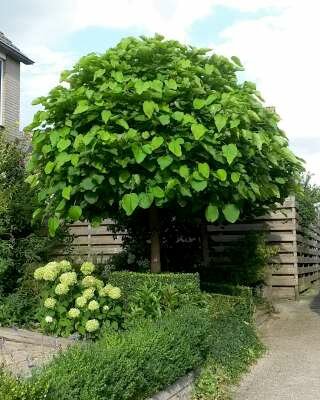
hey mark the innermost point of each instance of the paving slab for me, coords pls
(290, 370)
(22, 350)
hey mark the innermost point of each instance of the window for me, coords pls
(1, 91)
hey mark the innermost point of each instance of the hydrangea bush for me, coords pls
(75, 301)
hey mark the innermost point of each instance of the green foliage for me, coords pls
(131, 282)
(21, 242)
(155, 122)
(134, 364)
(75, 301)
(12, 388)
(308, 198)
(249, 258)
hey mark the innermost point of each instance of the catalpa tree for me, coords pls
(155, 124)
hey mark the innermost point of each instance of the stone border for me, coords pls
(181, 390)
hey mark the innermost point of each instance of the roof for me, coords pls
(12, 50)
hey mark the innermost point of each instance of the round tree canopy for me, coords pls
(153, 122)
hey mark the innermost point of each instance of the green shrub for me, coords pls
(76, 301)
(12, 388)
(134, 364)
(130, 282)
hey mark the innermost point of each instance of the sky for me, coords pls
(276, 40)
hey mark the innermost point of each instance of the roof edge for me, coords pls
(16, 54)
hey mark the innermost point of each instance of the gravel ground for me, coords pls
(290, 370)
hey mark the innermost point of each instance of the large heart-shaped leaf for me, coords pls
(221, 174)
(199, 103)
(91, 197)
(66, 192)
(164, 161)
(184, 171)
(53, 224)
(212, 213)
(87, 183)
(204, 170)
(145, 200)
(220, 121)
(164, 119)
(49, 167)
(130, 202)
(175, 147)
(75, 212)
(198, 130)
(157, 192)
(63, 144)
(138, 153)
(148, 108)
(198, 186)
(156, 142)
(230, 152)
(82, 106)
(105, 115)
(231, 212)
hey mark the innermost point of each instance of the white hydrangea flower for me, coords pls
(88, 281)
(48, 319)
(65, 266)
(114, 293)
(51, 271)
(38, 273)
(88, 293)
(68, 278)
(93, 305)
(74, 312)
(61, 289)
(92, 325)
(81, 301)
(50, 302)
(87, 268)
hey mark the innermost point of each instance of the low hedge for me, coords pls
(132, 365)
(129, 282)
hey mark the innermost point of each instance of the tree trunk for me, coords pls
(155, 260)
(205, 244)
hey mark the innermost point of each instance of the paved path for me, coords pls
(291, 368)
(22, 350)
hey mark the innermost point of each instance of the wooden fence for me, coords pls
(295, 268)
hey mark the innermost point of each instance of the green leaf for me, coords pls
(53, 225)
(204, 169)
(221, 174)
(212, 213)
(184, 171)
(122, 123)
(63, 144)
(49, 167)
(157, 192)
(148, 108)
(157, 85)
(156, 142)
(105, 115)
(164, 119)
(220, 121)
(87, 183)
(75, 213)
(54, 137)
(74, 158)
(46, 149)
(230, 152)
(208, 69)
(178, 116)
(66, 192)
(130, 202)
(124, 176)
(234, 123)
(138, 153)
(91, 197)
(145, 135)
(235, 177)
(211, 98)
(141, 86)
(198, 186)
(175, 147)
(199, 103)
(145, 200)
(236, 60)
(172, 84)
(98, 74)
(118, 76)
(198, 130)
(82, 106)
(231, 212)
(164, 161)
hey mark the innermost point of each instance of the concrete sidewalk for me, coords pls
(290, 370)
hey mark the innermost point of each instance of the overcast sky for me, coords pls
(276, 40)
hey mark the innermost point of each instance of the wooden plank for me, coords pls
(95, 240)
(282, 269)
(283, 292)
(285, 225)
(283, 280)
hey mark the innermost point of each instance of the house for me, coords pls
(10, 59)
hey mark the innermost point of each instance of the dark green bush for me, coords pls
(130, 282)
(132, 365)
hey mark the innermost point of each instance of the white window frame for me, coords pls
(1, 91)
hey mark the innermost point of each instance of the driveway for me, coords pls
(290, 370)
